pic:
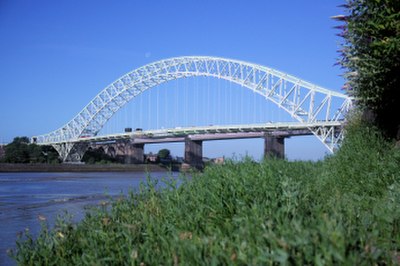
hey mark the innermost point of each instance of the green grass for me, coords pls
(343, 210)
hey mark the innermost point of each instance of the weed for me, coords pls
(343, 210)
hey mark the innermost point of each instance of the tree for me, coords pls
(49, 155)
(35, 154)
(164, 154)
(20, 151)
(17, 151)
(371, 56)
(97, 155)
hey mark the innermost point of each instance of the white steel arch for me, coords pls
(306, 102)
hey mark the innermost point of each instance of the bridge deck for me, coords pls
(212, 132)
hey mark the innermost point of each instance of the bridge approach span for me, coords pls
(130, 145)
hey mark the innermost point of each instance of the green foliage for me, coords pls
(98, 155)
(17, 151)
(343, 210)
(371, 55)
(49, 155)
(21, 151)
(366, 157)
(164, 154)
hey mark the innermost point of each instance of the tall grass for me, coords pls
(343, 210)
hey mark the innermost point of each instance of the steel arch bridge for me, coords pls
(306, 102)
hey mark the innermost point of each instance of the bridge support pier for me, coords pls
(134, 153)
(274, 146)
(194, 153)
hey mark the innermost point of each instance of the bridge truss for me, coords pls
(306, 102)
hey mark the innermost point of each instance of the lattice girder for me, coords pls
(304, 101)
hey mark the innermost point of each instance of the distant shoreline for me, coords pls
(13, 168)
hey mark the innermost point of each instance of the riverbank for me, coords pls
(336, 211)
(6, 167)
(26, 196)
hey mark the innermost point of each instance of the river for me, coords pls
(24, 197)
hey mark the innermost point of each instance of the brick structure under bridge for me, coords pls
(124, 150)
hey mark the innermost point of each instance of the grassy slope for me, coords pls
(343, 210)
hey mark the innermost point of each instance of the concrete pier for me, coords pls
(131, 150)
(194, 153)
(274, 146)
(134, 153)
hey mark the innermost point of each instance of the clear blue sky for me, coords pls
(55, 56)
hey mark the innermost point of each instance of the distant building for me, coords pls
(219, 160)
(151, 158)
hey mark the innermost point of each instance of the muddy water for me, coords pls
(26, 196)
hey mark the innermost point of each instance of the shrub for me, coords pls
(343, 210)
(371, 55)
